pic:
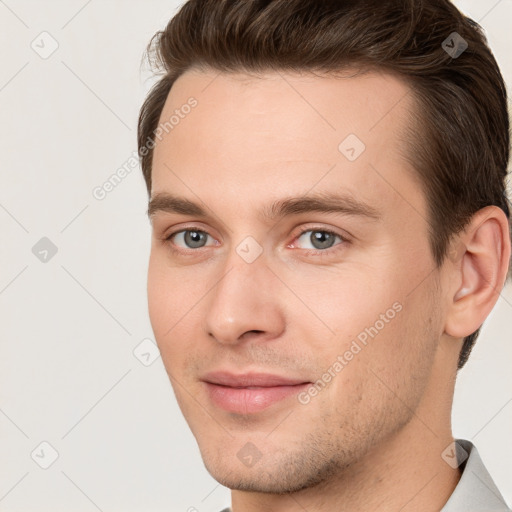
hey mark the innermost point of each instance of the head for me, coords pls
(294, 119)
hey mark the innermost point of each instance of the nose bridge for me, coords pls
(242, 299)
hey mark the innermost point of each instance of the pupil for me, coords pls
(318, 236)
(194, 237)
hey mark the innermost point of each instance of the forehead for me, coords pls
(251, 136)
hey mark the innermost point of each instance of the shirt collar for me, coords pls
(476, 490)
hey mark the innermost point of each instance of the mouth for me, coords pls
(251, 392)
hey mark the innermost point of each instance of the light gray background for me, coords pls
(69, 326)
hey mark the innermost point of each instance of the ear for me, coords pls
(480, 261)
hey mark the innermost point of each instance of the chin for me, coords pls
(288, 474)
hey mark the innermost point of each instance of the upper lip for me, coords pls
(250, 379)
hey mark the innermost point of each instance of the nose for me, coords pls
(245, 303)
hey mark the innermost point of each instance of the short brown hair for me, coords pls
(461, 142)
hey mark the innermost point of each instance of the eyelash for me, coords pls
(314, 252)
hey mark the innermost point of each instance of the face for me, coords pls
(295, 305)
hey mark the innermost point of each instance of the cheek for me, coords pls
(166, 304)
(170, 293)
(174, 307)
(398, 356)
(349, 305)
(379, 377)
(380, 329)
(159, 304)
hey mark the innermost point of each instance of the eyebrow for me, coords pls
(319, 202)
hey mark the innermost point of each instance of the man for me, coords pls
(330, 231)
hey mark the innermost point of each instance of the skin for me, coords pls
(372, 439)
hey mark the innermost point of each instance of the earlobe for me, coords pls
(480, 271)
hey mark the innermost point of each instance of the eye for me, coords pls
(321, 239)
(191, 238)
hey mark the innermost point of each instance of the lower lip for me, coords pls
(246, 401)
